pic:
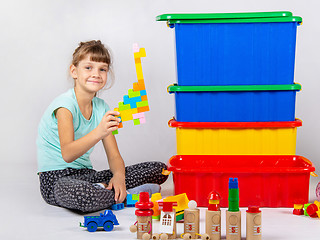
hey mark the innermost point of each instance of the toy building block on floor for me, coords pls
(136, 102)
(117, 206)
(132, 199)
(182, 203)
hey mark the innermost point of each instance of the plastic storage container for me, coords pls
(265, 181)
(247, 138)
(234, 49)
(242, 103)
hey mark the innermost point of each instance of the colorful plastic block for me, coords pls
(136, 121)
(143, 92)
(138, 115)
(142, 104)
(117, 206)
(136, 101)
(143, 109)
(141, 84)
(126, 115)
(142, 120)
(156, 212)
(182, 203)
(140, 54)
(131, 100)
(132, 199)
(135, 197)
(136, 86)
(133, 93)
(123, 107)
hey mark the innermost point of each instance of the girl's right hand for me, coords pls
(109, 123)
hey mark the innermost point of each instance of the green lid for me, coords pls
(229, 17)
(232, 88)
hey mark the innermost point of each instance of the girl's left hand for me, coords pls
(117, 182)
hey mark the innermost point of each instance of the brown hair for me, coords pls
(98, 53)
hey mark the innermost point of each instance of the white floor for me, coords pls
(24, 215)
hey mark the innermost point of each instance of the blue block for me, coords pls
(117, 206)
(257, 106)
(125, 99)
(143, 92)
(132, 101)
(130, 201)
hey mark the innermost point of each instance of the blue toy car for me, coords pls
(107, 220)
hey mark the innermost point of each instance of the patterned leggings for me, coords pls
(76, 188)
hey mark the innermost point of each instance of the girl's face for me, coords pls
(90, 76)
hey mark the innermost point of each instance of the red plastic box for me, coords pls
(264, 180)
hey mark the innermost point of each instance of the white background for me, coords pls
(38, 38)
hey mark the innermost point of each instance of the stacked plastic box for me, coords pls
(235, 108)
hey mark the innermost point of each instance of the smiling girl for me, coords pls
(68, 131)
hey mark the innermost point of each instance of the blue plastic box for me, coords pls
(234, 51)
(252, 103)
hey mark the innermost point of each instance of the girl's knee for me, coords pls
(82, 196)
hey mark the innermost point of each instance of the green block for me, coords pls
(136, 121)
(135, 197)
(123, 107)
(156, 217)
(142, 104)
(132, 93)
(115, 132)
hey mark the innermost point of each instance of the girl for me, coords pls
(71, 126)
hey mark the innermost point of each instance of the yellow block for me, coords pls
(247, 141)
(181, 199)
(126, 115)
(139, 71)
(141, 53)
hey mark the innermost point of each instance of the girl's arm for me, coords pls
(117, 168)
(72, 149)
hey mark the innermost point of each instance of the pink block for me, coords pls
(136, 47)
(142, 120)
(138, 115)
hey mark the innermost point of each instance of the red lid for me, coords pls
(239, 164)
(253, 209)
(144, 202)
(147, 212)
(289, 124)
(167, 206)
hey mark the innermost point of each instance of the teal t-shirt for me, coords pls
(48, 143)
